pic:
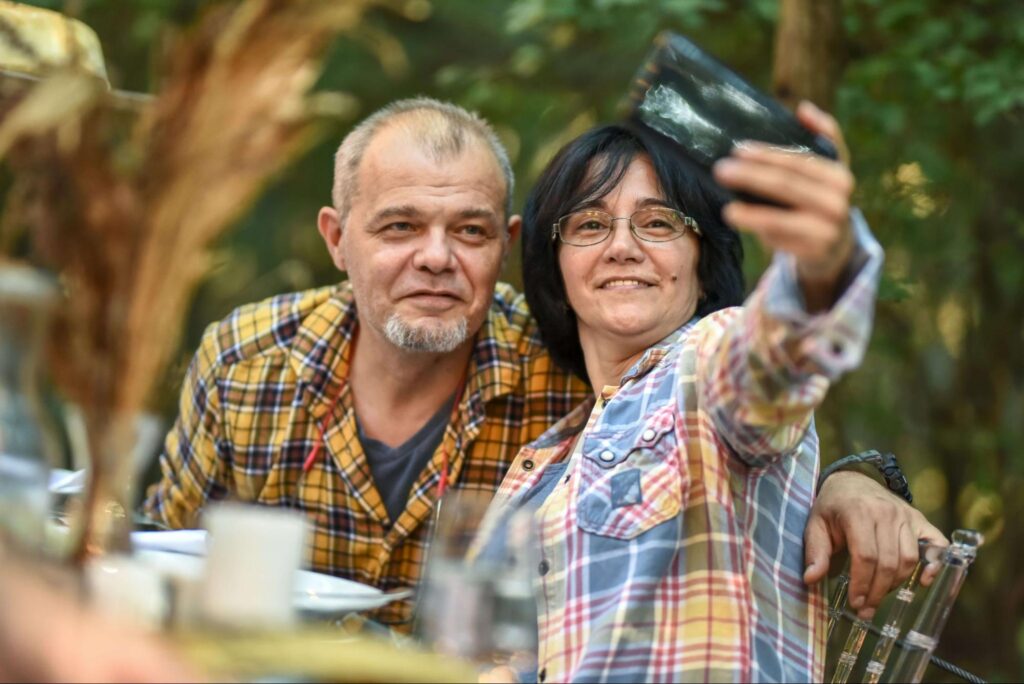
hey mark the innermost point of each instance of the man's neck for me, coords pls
(395, 391)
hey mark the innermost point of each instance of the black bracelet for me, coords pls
(886, 464)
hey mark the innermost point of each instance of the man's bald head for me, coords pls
(442, 129)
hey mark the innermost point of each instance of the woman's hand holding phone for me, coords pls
(812, 194)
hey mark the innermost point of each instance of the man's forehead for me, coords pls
(396, 161)
(400, 147)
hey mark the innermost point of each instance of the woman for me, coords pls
(671, 507)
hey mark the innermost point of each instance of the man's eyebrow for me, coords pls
(401, 210)
(478, 213)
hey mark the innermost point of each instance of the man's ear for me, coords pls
(515, 225)
(328, 222)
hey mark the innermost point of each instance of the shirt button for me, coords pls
(607, 455)
(648, 435)
(542, 675)
(543, 567)
(527, 464)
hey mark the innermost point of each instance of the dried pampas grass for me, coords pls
(126, 212)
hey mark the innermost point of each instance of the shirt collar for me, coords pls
(322, 348)
(657, 352)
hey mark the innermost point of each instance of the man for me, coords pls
(360, 404)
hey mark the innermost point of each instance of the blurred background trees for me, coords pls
(931, 97)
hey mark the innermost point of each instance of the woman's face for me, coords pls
(627, 292)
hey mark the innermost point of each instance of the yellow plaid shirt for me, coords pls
(265, 378)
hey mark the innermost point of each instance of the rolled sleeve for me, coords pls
(833, 341)
(769, 365)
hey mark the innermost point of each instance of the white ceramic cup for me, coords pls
(254, 552)
(128, 589)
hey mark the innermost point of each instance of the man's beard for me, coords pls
(439, 338)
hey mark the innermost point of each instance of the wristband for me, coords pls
(886, 464)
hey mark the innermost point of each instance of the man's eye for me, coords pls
(474, 231)
(398, 227)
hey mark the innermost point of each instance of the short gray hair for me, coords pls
(442, 128)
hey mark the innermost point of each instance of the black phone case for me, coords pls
(686, 95)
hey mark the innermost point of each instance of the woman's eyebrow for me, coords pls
(593, 203)
(644, 203)
(651, 202)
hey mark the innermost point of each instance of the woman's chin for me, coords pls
(640, 332)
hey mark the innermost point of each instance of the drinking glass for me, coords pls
(477, 600)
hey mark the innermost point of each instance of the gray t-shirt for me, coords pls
(395, 470)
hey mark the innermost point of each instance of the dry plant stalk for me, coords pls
(127, 220)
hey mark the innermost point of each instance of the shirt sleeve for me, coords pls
(192, 465)
(768, 366)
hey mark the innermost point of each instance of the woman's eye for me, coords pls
(591, 225)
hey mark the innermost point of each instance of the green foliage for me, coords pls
(932, 104)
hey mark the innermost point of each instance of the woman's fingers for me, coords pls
(792, 183)
(807, 236)
(823, 123)
(811, 166)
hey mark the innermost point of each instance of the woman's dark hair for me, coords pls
(568, 183)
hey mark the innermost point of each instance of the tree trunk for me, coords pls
(809, 52)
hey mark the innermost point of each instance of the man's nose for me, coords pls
(434, 252)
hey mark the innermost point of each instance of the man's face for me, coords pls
(424, 241)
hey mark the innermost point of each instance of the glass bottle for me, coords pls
(28, 449)
(922, 638)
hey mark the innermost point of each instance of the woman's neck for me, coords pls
(608, 362)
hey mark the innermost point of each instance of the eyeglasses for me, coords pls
(654, 224)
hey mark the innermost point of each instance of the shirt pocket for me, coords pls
(630, 479)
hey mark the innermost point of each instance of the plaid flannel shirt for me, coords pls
(266, 376)
(672, 544)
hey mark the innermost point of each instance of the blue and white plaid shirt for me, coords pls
(672, 546)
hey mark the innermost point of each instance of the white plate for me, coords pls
(314, 592)
(192, 542)
(67, 481)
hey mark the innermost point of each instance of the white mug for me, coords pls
(254, 553)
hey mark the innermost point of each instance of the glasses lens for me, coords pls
(585, 227)
(658, 224)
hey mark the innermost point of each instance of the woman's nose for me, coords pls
(622, 243)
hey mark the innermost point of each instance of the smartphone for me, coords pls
(686, 95)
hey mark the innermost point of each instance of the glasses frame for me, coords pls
(688, 222)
